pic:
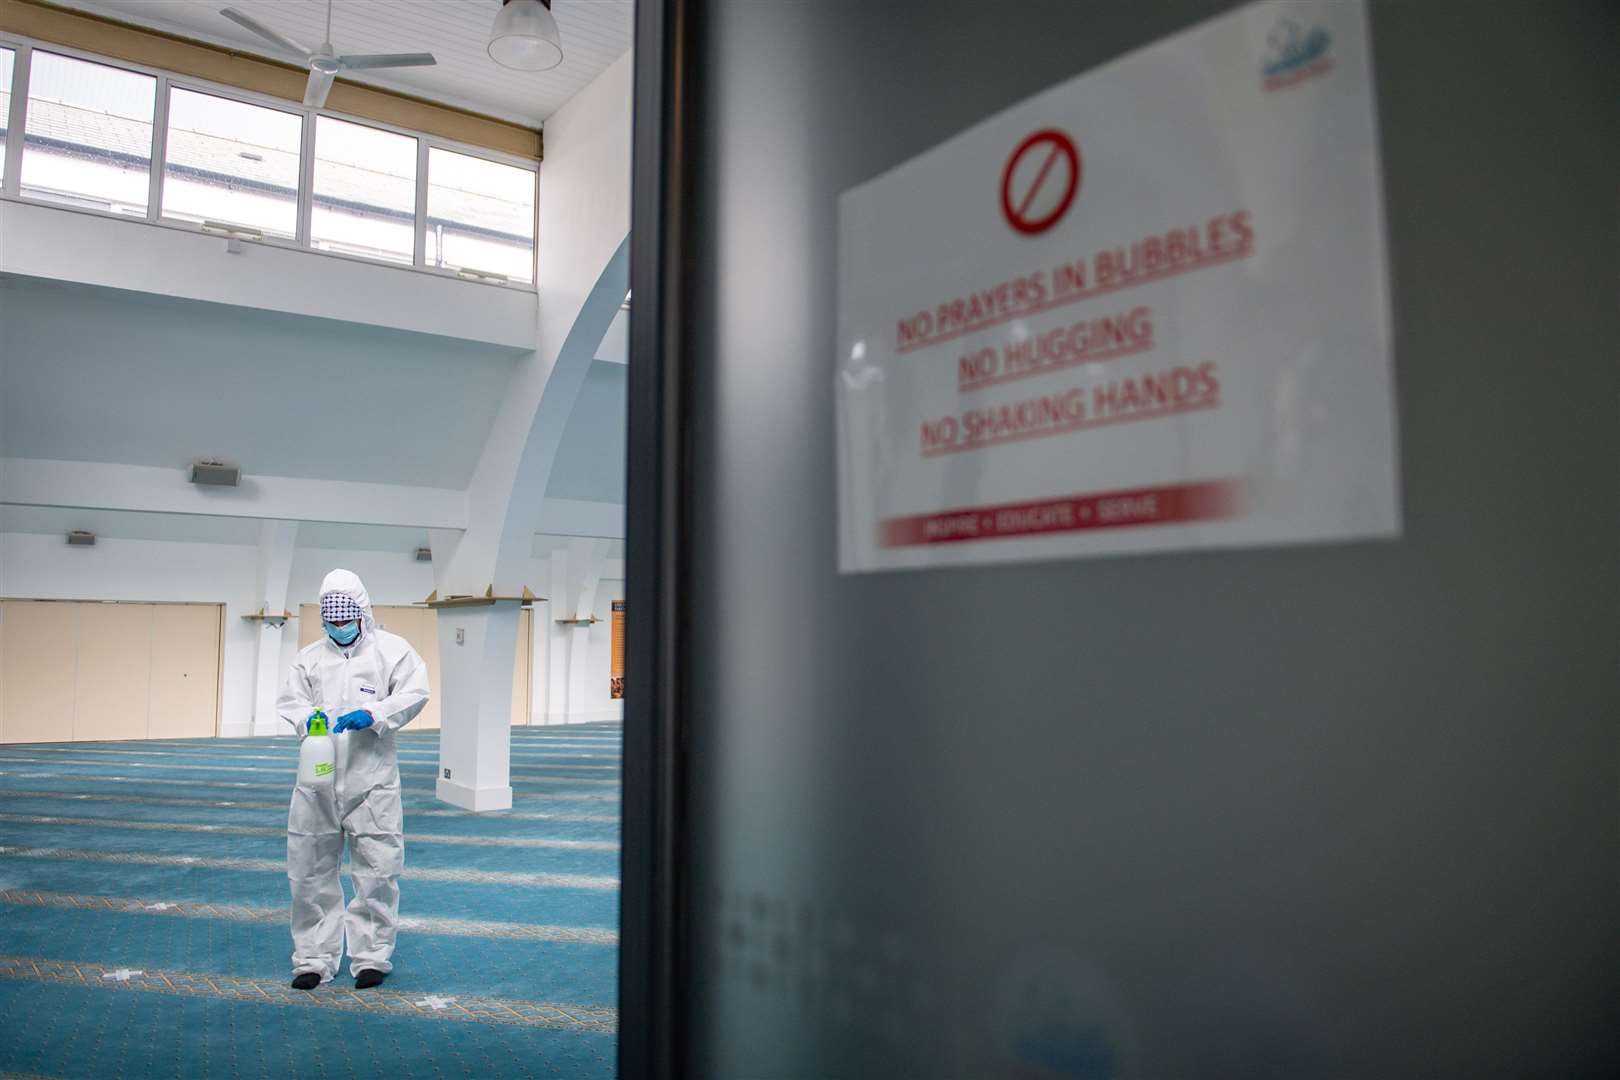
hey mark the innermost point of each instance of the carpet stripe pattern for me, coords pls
(143, 858)
(264, 830)
(331, 996)
(204, 803)
(278, 916)
(143, 918)
(167, 781)
(517, 770)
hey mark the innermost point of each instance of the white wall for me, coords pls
(44, 567)
(145, 488)
(584, 191)
(390, 577)
(61, 245)
(393, 578)
(597, 701)
(584, 211)
(584, 214)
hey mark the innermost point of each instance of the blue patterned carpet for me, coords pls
(143, 918)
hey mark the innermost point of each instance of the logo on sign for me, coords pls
(1040, 181)
(1292, 55)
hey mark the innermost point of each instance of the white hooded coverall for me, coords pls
(382, 674)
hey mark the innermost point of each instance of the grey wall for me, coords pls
(1342, 810)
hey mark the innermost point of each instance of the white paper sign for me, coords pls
(1145, 310)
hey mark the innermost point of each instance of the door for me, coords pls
(1336, 810)
(184, 695)
(38, 665)
(86, 671)
(113, 681)
(420, 627)
(522, 670)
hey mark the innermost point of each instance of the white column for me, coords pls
(580, 695)
(575, 571)
(473, 685)
(539, 651)
(277, 541)
(476, 646)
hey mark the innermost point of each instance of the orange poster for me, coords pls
(618, 649)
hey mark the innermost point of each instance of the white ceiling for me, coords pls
(594, 34)
(91, 374)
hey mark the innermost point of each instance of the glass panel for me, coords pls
(88, 140)
(365, 191)
(231, 163)
(480, 216)
(7, 60)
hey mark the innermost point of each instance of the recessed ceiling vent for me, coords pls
(215, 473)
(424, 554)
(81, 538)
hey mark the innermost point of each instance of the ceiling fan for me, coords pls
(324, 63)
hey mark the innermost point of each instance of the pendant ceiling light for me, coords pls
(525, 36)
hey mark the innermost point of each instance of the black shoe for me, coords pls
(369, 977)
(306, 980)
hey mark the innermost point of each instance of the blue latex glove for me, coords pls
(357, 720)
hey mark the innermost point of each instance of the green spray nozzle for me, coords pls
(317, 723)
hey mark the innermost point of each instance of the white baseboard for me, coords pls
(477, 800)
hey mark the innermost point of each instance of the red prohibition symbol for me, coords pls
(1048, 147)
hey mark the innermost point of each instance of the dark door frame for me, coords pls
(653, 866)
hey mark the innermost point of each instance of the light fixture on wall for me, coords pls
(215, 473)
(525, 36)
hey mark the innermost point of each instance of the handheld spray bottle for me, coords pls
(317, 758)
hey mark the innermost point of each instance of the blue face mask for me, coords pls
(343, 635)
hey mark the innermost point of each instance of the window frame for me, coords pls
(14, 112)
(21, 75)
(10, 182)
(422, 182)
(158, 181)
(307, 215)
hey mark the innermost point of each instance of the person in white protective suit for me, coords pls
(372, 683)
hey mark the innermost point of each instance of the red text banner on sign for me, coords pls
(1173, 504)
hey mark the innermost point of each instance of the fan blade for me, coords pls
(248, 22)
(315, 91)
(387, 60)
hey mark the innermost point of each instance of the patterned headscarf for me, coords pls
(337, 607)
